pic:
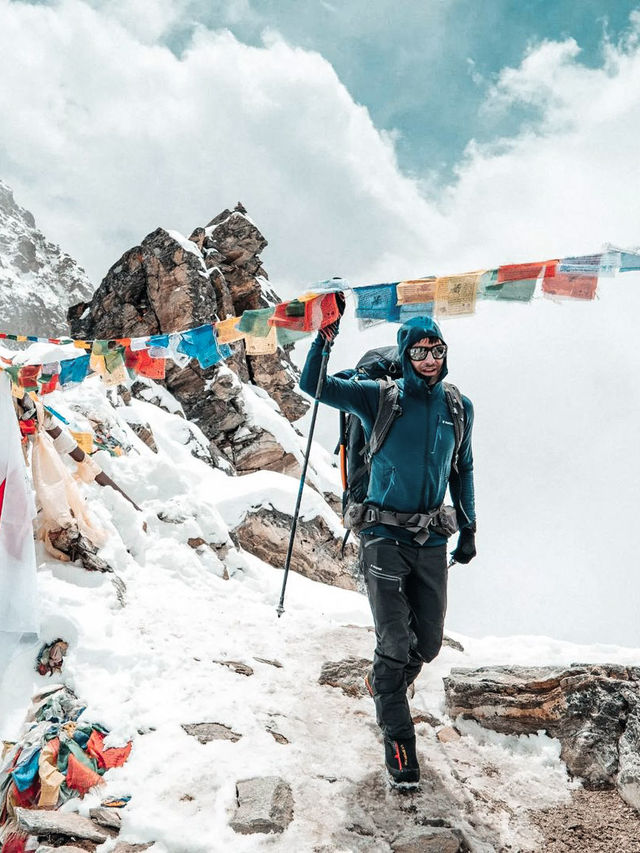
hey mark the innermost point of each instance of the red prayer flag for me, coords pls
(28, 376)
(317, 313)
(517, 272)
(2, 485)
(115, 756)
(142, 363)
(574, 285)
(80, 777)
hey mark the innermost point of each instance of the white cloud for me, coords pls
(111, 136)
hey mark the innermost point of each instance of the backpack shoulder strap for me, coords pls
(456, 409)
(388, 410)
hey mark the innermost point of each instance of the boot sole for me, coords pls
(403, 787)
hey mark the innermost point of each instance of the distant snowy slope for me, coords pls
(38, 281)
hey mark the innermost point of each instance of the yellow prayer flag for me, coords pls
(226, 331)
(456, 294)
(84, 440)
(262, 346)
(82, 344)
(419, 290)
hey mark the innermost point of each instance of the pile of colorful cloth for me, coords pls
(58, 757)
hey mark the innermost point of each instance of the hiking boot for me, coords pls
(402, 763)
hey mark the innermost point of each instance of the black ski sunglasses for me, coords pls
(420, 353)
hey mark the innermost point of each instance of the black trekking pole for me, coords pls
(326, 350)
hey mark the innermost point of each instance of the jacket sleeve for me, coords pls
(461, 483)
(360, 397)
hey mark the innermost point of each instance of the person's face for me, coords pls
(429, 367)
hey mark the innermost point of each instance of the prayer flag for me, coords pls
(48, 383)
(262, 345)
(227, 331)
(523, 272)
(419, 290)
(583, 264)
(603, 264)
(115, 371)
(139, 343)
(571, 285)
(201, 343)
(286, 337)
(141, 362)
(2, 485)
(377, 302)
(256, 322)
(456, 294)
(28, 376)
(629, 261)
(84, 440)
(74, 369)
(416, 309)
(520, 290)
(307, 314)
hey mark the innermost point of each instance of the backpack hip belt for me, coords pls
(441, 520)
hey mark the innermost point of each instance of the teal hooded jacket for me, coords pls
(412, 469)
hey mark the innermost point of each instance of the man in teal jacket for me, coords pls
(407, 580)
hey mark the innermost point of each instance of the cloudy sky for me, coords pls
(381, 140)
(368, 139)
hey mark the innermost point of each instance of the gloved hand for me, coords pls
(329, 332)
(466, 548)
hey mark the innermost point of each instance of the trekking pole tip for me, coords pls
(279, 610)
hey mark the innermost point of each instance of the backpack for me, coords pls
(355, 453)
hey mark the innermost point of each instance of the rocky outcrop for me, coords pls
(593, 710)
(37, 279)
(168, 284)
(316, 553)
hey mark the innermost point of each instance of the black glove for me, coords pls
(466, 549)
(329, 332)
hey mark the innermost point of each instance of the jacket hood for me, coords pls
(414, 330)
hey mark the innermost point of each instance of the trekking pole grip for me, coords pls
(326, 351)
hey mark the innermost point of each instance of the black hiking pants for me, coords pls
(407, 588)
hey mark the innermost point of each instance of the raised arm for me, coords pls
(351, 395)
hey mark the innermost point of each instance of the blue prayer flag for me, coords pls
(74, 369)
(201, 343)
(378, 302)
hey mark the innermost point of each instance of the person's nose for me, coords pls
(430, 356)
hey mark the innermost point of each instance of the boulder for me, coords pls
(41, 822)
(265, 804)
(316, 553)
(433, 839)
(592, 709)
(347, 674)
(206, 732)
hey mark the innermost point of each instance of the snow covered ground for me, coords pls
(147, 667)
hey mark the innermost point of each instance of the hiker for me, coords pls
(403, 525)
